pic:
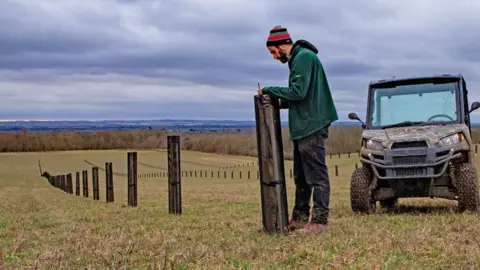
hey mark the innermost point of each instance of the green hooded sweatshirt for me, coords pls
(308, 95)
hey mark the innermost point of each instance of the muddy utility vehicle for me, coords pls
(416, 142)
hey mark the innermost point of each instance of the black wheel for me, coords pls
(467, 188)
(389, 203)
(360, 195)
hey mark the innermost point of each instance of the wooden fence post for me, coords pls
(132, 178)
(63, 184)
(109, 182)
(174, 177)
(57, 181)
(69, 183)
(77, 183)
(95, 185)
(273, 195)
(85, 183)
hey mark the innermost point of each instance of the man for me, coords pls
(311, 111)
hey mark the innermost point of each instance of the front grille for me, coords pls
(409, 171)
(404, 153)
(409, 160)
(413, 144)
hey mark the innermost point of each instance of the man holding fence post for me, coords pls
(311, 111)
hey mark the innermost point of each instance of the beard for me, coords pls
(283, 57)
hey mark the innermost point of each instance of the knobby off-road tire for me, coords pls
(467, 187)
(360, 195)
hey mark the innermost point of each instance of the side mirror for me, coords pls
(354, 116)
(475, 105)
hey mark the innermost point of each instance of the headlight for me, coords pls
(452, 139)
(373, 145)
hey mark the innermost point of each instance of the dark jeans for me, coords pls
(311, 174)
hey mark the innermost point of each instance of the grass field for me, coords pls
(44, 227)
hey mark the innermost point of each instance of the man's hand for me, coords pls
(260, 91)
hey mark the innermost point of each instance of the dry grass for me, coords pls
(219, 229)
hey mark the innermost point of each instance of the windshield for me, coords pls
(423, 103)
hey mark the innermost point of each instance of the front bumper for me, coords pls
(410, 163)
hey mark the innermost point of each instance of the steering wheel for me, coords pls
(440, 115)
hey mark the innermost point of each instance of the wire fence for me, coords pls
(245, 170)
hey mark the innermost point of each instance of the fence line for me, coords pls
(174, 173)
(218, 174)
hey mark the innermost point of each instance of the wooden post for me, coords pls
(85, 183)
(57, 181)
(95, 184)
(336, 170)
(273, 193)
(69, 183)
(41, 172)
(132, 178)
(109, 182)
(63, 184)
(77, 184)
(174, 177)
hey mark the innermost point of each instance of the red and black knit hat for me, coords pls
(279, 36)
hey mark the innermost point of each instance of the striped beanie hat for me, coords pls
(279, 36)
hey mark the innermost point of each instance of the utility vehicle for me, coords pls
(416, 142)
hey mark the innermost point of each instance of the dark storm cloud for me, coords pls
(97, 55)
(188, 44)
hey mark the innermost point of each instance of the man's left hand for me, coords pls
(260, 92)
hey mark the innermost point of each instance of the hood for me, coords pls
(304, 44)
(432, 133)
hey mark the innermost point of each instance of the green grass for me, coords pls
(220, 227)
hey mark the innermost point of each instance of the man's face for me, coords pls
(279, 54)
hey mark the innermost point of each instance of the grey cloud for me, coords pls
(222, 46)
(343, 68)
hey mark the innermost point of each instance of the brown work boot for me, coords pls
(314, 228)
(296, 224)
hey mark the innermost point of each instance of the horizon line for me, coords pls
(137, 120)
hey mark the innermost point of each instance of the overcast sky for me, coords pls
(107, 59)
